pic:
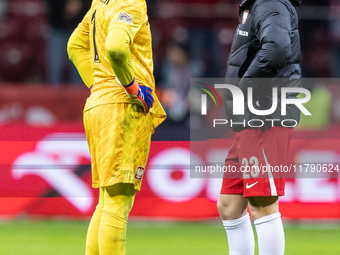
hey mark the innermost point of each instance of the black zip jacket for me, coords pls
(266, 45)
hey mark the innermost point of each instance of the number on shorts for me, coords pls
(253, 169)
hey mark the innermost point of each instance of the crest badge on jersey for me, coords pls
(139, 173)
(245, 16)
(123, 16)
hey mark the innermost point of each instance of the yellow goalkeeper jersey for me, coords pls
(93, 64)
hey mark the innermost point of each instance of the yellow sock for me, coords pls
(118, 202)
(92, 247)
(92, 233)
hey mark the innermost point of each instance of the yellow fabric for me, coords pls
(118, 53)
(119, 137)
(78, 49)
(107, 230)
(92, 246)
(103, 18)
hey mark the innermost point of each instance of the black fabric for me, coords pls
(56, 14)
(296, 2)
(266, 45)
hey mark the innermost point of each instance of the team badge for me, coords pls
(139, 173)
(245, 16)
(123, 16)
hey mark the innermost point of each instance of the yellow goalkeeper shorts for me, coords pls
(119, 137)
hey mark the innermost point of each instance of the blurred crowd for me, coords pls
(191, 38)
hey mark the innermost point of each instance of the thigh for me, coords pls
(125, 189)
(119, 137)
(118, 200)
(232, 206)
(232, 181)
(262, 155)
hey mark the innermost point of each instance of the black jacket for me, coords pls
(266, 45)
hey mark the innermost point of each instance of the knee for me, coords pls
(118, 220)
(221, 207)
(231, 207)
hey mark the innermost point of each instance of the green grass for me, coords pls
(161, 238)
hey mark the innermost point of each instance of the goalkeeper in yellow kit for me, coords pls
(111, 49)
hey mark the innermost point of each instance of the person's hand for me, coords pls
(143, 98)
(140, 94)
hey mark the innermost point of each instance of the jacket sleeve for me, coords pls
(272, 28)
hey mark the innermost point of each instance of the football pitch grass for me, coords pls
(156, 238)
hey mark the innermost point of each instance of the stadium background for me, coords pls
(45, 180)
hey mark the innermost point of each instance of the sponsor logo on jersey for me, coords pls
(139, 173)
(123, 16)
(245, 16)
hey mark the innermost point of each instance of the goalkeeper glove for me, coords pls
(139, 94)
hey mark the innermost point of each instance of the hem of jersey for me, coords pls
(122, 102)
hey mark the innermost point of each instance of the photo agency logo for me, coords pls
(260, 117)
(204, 106)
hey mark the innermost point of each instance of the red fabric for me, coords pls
(256, 148)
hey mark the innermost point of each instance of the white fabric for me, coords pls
(240, 236)
(270, 235)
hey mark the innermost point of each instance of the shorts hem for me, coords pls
(231, 192)
(264, 195)
(136, 184)
(280, 194)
